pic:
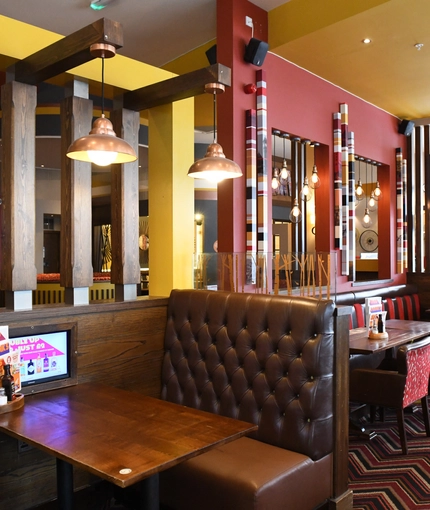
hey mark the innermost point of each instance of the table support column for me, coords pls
(150, 493)
(64, 485)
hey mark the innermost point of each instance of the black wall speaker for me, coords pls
(406, 127)
(211, 55)
(255, 52)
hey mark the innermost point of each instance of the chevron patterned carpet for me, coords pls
(381, 477)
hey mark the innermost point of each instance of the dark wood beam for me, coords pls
(181, 87)
(67, 53)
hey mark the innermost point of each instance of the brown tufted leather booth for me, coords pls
(269, 360)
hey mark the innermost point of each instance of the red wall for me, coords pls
(302, 104)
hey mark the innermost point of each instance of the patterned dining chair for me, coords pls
(397, 389)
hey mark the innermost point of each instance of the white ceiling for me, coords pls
(390, 73)
(155, 31)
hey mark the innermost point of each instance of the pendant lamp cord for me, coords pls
(214, 117)
(366, 183)
(103, 86)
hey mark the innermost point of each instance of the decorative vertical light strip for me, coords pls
(251, 181)
(351, 201)
(262, 184)
(345, 202)
(337, 170)
(399, 216)
(405, 215)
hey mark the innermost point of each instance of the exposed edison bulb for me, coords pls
(371, 204)
(377, 191)
(284, 170)
(315, 180)
(306, 192)
(367, 220)
(359, 191)
(275, 181)
(102, 158)
(295, 214)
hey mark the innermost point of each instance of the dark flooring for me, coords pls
(100, 496)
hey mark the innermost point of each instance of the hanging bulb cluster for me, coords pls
(367, 220)
(295, 213)
(275, 171)
(359, 190)
(315, 180)
(280, 177)
(377, 191)
(306, 192)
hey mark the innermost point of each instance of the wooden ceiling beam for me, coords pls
(180, 87)
(67, 53)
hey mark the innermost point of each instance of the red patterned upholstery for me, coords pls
(397, 389)
(417, 374)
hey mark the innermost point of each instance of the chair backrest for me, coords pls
(260, 358)
(414, 361)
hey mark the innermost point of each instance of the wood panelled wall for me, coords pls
(119, 344)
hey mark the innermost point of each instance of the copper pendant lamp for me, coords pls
(214, 166)
(101, 146)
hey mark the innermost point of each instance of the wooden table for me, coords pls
(399, 332)
(118, 435)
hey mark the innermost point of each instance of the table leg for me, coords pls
(64, 485)
(149, 493)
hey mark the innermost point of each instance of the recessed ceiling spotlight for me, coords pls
(418, 46)
(367, 41)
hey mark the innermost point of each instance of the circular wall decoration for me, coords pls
(143, 242)
(369, 240)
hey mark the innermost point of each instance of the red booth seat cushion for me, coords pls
(401, 307)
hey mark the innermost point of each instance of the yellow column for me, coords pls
(171, 197)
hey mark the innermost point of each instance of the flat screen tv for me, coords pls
(48, 355)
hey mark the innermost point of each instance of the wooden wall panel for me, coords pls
(119, 344)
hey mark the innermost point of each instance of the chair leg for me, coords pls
(402, 430)
(425, 406)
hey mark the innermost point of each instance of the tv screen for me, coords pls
(46, 356)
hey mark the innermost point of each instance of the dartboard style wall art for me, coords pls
(369, 240)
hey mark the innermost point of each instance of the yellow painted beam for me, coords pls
(19, 40)
(298, 18)
(171, 197)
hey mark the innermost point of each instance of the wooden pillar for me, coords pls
(125, 270)
(76, 236)
(171, 197)
(19, 275)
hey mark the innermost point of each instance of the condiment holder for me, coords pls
(377, 336)
(15, 404)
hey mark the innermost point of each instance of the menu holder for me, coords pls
(377, 336)
(14, 405)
